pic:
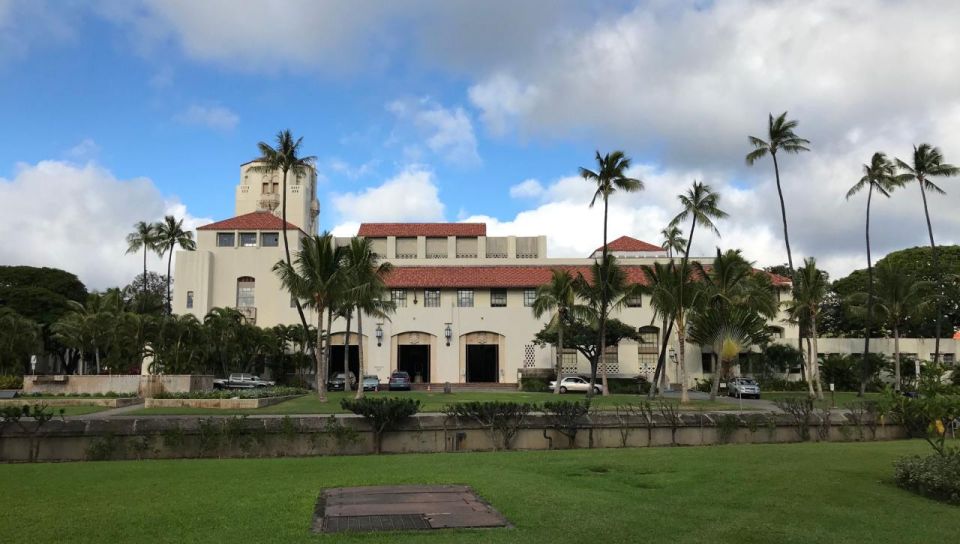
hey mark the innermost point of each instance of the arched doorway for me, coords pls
(350, 352)
(414, 354)
(480, 354)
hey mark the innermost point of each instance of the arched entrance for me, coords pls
(414, 354)
(351, 351)
(480, 354)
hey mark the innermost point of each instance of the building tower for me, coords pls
(260, 191)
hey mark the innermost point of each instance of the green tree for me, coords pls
(780, 137)
(169, 236)
(315, 277)
(928, 163)
(366, 283)
(285, 158)
(560, 297)
(19, 339)
(880, 176)
(144, 236)
(673, 240)
(610, 177)
(809, 290)
(728, 331)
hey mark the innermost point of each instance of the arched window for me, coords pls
(245, 292)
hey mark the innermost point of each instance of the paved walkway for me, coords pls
(125, 410)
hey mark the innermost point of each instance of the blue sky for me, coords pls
(114, 111)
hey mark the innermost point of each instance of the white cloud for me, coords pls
(344, 168)
(446, 132)
(85, 150)
(76, 218)
(528, 188)
(214, 117)
(411, 195)
(501, 99)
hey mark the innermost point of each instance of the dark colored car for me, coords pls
(399, 380)
(337, 382)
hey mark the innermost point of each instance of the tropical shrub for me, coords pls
(567, 418)
(382, 413)
(501, 420)
(258, 393)
(629, 386)
(11, 382)
(934, 476)
(535, 385)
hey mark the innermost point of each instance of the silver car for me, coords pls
(743, 388)
(576, 383)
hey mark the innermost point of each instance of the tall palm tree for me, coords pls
(315, 277)
(673, 240)
(702, 205)
(673, 294)
(898, 296)
(928, 163)
(169, 236)
(285, 158)
(144, 236)
(809, 289)
(558, 296)
(780, 137)
(610, 177)
(880, 176)
(366, 277)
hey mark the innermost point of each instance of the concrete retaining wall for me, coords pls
(133, 438)
(135, 385)
(225, 404)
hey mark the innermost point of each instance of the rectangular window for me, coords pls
(270, 239)
(406, 248)
(706, 361)
(248, 239)
(529, 295)
(399, 297)
(568, 361)
(431, 298)
(189, 299)
(949, 359)
(634, 302)
(225, 239)
(498, 298)
(465, 298)
(245, 293)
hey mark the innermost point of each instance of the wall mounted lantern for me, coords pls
(448, 333)
(379, 333)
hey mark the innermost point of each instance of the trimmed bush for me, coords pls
(629, 386)
(780, 384)
(935, 476)
(382, 413)
(258, 393)
(567, 418)
(502, 420)
(535, 385)
(11, 382)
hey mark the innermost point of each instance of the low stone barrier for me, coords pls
(224, 404)
(239, 436)
(72, 401)
(132, 384)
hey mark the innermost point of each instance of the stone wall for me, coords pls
(134, 385)
(133, 438)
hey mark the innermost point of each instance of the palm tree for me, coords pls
(610, 177)
(732, 292)
(702, 205)
(928, 163)
(144, 236)
(880, 176)
(673, 294)
(673, 240)
(729, 331)
(898, 296)
(285, 158)
(170, 235)
(809, 290)
(559, 296)
(366, 283)
(315, 277)
(780, 137)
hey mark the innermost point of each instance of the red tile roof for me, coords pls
(499, 276)
(251, 221)
(627, 243)
(376, 230)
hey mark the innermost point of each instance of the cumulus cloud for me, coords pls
(214, 117)
(76, 218)
(411, 195)
(447, 132)
(528, 188)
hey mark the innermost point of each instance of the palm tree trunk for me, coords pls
(660, 373)
(556, 390)
(717, 367)
(346, 355)
(328, 345)
(805, 365)
(783, 214)
(936, 272)
(603, 310)
(896, 358)
(360, 353)
(169, 262)
(286, 250)
(320, 356)
(869, 324)
(684, 395)
(143, 291)
(815, 363)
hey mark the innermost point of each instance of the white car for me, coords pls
(743, 387)
(576, 383)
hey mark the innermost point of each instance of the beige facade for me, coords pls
(260, 191)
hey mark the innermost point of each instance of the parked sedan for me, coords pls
(743, 387)
(399, 380)
(576, 383)
(371, 383)
(337, 382)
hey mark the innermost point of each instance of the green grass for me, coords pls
(431, 402)
(842, 397)
(790, 493)
(77, 410)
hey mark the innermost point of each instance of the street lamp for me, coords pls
(448, 333)
(379, 333)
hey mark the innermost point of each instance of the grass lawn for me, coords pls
(77, 410)
(430, 401)
(842, 397)
(788, 493)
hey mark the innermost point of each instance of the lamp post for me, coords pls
(379, 334)
(676, 370)
(448, 332)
